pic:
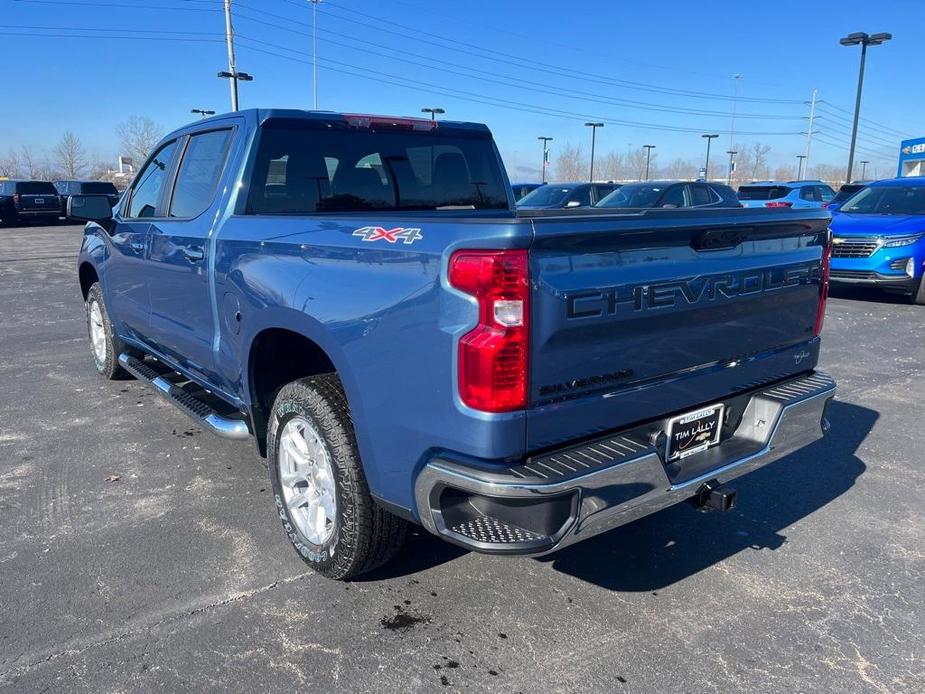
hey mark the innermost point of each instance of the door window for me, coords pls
(199, 173)
(147, 190)
(809, 193)
(673, 198)
(701, 194)
(582, 195)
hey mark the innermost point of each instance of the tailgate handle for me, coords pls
(716, 239)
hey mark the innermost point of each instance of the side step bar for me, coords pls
(204, 414)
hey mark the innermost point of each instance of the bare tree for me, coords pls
(137, 137)
(10, 165)
(834, 175)
(571, 164)
(680, 169)
(636, 163)
(28, 161)
(610, 167)
(71, 157)
(759, 152)
(785, 173)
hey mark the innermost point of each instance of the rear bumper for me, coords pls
(559, 498)
(54, 211)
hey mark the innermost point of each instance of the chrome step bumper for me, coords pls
(204, 413)
(558, 498)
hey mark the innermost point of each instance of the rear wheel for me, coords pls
(321, 493)
(105, 345)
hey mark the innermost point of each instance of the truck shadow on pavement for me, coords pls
(666, 547)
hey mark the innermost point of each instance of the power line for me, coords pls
(443, 90)
(511, 81)
(868, 120)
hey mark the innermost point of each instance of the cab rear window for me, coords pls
(98, 188)
(763, 192)
(303, 171)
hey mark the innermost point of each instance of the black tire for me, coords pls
(364, 535)
(918, 296)
(106, 365)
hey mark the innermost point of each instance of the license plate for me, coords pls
(40, 201)
(693, 432)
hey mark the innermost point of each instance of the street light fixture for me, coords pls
(202, 112)
(706, 166)
(545, 140)
(434, 112)
(732, 165)
(864, 163)
(864, 40)
(801, 157)
(594, 127)
(648, 149)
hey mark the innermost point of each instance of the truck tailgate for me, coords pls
(638, 316)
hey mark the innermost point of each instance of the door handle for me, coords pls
(137, 246)
(194, 255)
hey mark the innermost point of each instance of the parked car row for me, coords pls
(44, 201)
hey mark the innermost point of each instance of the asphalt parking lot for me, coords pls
(177, 576)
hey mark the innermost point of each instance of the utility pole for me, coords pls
(232, 73)
(229, 44)
(865, 40)
(648, 149)
(735, 101)
(809, 132)
(545, 140)
(732, 165)
(314, 53)
(864, 163)
(706, 166)
(594, 127)
(801, 157)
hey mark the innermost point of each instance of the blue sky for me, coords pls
(658, 73)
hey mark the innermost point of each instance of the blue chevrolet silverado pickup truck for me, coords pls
(359, 296)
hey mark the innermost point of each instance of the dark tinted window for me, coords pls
(147, 189)
(604, 190)
(35, 188)
(97, 188)
(846, 191)
(581, 195)
(634, 195)
(887, 200)
(199, 173)
(303, 171)
(522, 190)
(701, 194)
(546, 195)
(673, 197)
(763, 192)
(809, 193)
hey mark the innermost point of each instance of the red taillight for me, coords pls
(493, 355)
(825, 205)
(824, 283)
(778, 203)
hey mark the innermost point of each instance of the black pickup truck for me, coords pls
(21, 201)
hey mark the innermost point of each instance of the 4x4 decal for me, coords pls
(407, 235)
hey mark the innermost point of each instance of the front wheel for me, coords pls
(918, 295)
(105, 345)
(321, 493)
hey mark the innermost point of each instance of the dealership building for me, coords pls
(912, 157)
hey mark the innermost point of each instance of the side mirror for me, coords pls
(89, 208)
(573, 203)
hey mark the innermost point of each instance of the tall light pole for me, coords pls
(865, 40)
(545, 140)
(648, 149)
(314, 54)
(202, 112)
(232, 73)
(800, 157)
(706, 165)
(433, 112)
(735, 101)
(864, 163)
(732, 165)
(594, 127)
